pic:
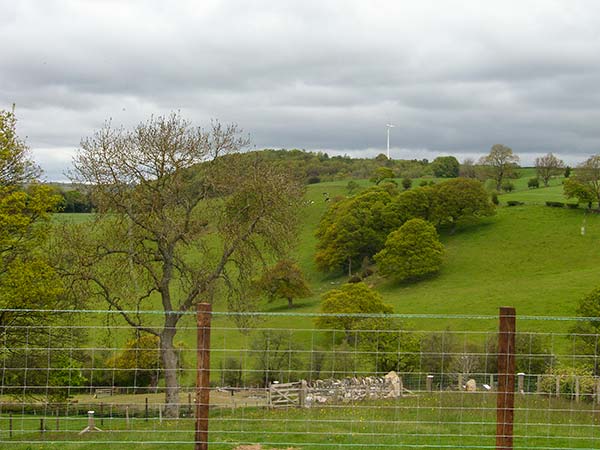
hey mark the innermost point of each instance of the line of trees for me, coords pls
(359, 227)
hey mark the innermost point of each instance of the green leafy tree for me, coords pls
(344, 306)
(283, 281)
(573, 188)
(380, 174)
(352, 229)
(16, 167)
(139, 364)
(587, 332)
(387, 346)
(406, 183)
(548, 166)
(180, 219)
(460, 200)
(414, 203)
(27, 277)
(501, 163)
(588, 174)
(412, 251)
(352, 187)
(445, 167)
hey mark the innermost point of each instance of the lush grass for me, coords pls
(438, 420)
(531, 257)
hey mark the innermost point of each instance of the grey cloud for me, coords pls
(454, 76)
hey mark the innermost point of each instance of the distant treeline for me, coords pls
(74, 199)
(315, 167)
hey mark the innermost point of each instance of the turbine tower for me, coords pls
(389, 125)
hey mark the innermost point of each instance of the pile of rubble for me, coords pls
(352, 389)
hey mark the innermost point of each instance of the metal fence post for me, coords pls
(506, 379)
(203, 376)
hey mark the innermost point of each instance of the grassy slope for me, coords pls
(532, 257)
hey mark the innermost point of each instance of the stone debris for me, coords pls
(471, 385)
(352, 389)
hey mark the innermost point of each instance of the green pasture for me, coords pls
(440, 420)
(532, 257)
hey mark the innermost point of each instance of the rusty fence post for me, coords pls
(506, 379)
(203, 376)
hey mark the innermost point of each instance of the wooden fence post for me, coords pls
(203, 376)
(429, 383)
(302, 394)
(506, 379)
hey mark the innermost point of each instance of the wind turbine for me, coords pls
(389, 125)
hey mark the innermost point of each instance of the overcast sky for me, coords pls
(455, 77)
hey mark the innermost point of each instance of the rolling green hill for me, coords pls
(532, 257)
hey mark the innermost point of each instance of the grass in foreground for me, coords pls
(435, 421)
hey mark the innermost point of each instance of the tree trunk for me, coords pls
(290, 304)
(170, 367)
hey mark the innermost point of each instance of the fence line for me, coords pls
(387, 382)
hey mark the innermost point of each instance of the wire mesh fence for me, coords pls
(290, 380)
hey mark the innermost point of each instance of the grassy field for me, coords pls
(531, 257)
(435, 421)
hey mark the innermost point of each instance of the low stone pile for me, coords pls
(353, 389)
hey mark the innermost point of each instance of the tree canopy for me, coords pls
(166, 191)
(548, 166)
(412, 251)
(445, 167)
(357, 227)
(585, 183)
(459, 200)
(352, 229)
(285, 281)
(350, 299)
(27, 278)
(501, 163)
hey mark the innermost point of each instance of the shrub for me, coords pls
(494, 197)
(572, 205)
(367, 272)
(507, 186)
(314, 180)
(568, 376)
(231, 370)
(347, 300)
(355, 279)
(423, 183)
(533, 183)
(555, 204)
(412, 251)
(514, 203)
(406, 183)
(352, 186)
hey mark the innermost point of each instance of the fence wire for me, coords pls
(285, 380)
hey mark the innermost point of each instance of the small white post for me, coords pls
(520, 382)
(90, 426)
(429, 383)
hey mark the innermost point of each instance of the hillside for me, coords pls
(532, 257)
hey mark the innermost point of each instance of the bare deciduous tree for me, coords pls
(547, 166)
(501, 162)
(180, 218)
